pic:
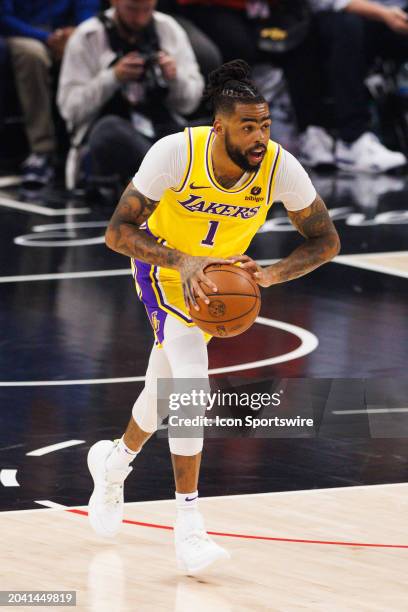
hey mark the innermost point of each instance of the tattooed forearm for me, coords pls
(321, 245)
(313, 221)
(124, 236)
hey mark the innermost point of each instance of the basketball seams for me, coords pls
(243, 314)
(234, 295)
(248, 278)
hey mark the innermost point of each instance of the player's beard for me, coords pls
(239, 158)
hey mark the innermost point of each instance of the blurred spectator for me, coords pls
(126, 78)
(206, 51)
(235, 25)
(37, 33)
(352, 34)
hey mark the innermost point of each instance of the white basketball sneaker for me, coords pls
(367, 154)
(195, 550)
(316, 147)
(105, 508)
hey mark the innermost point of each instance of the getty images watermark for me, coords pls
(254, 401)
(190, 406)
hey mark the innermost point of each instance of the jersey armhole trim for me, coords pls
(189, 164)
(273, 176)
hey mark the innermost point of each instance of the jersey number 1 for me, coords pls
(209, 239)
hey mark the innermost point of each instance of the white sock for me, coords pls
(121, 456)
(186, 501)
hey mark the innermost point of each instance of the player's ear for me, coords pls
(218, 126)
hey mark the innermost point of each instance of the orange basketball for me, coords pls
(233, 308)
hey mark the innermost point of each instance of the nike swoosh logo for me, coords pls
(192, 186)
(191, 498)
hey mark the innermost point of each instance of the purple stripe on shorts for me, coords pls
(157, 316)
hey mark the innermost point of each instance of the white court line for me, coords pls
(370, 411)
(9, 181)
(341, 259)
(308, 343)
(8, 478)
(56, 506)
(62, 383)
(348, 260)
(383, 254)
(277, 493)
(41, 210)
(50, 505)
(35, 241)
(69, 225)
(352, 260)
(39, 452)
(64, 276)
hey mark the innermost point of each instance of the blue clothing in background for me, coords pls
(36, 18)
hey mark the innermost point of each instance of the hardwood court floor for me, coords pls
(318, 556)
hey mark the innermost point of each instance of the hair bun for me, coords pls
(229, 84)
(236, 70)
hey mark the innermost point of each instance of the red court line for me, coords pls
(256, 537)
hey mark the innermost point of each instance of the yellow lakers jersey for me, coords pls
(200, 217)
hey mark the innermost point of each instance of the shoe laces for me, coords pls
(196, 538)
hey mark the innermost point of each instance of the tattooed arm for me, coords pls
(321, 245)
(124, 236)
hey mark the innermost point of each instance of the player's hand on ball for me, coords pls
(258, 273)
(192, 274)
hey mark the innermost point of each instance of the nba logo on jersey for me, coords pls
(155, 321)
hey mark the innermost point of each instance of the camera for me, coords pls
(147, 48)
(152, 76)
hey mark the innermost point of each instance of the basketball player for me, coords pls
(190, 204)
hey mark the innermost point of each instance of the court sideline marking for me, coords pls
(52, 506)
(41, 210)
(8, 478)
(84, 513)
(347, 260)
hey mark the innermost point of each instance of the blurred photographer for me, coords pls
(36, 34)
(127, 77)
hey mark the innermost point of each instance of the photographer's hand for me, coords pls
(168, 65)
(129, 68)
(396, 19)
(393, 16)
(57, 41)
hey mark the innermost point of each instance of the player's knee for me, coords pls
(191, 371)
(144, 412)
(187, 447)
